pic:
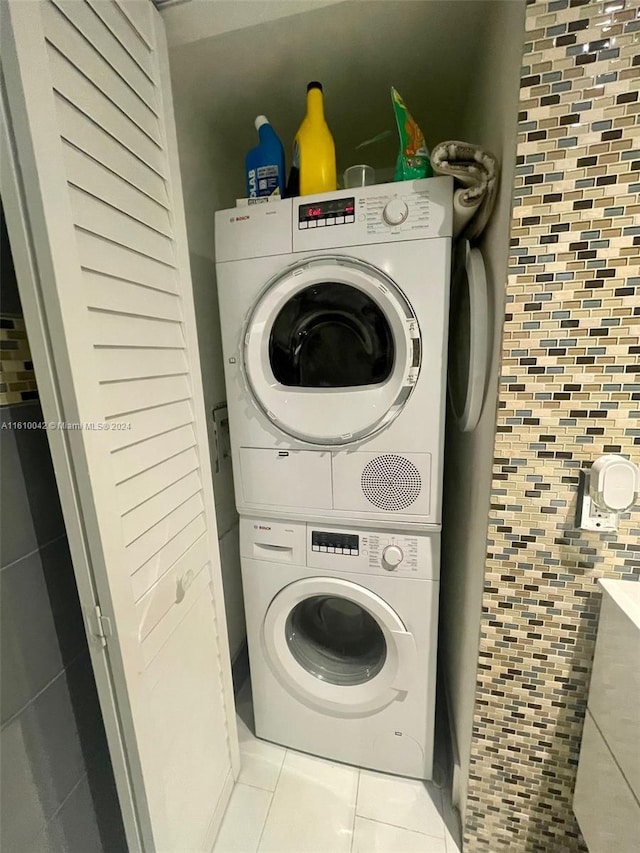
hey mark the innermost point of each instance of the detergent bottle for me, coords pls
(314, 153)
(264, 164)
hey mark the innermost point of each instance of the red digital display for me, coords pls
(327, 209)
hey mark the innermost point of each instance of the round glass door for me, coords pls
(331, 335)
(336, 640)
(331, 351)
(338, 646)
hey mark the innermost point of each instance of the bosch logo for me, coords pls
(261, 527)
(238, 218)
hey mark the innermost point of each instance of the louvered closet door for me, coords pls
(88, 92)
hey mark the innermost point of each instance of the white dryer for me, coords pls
(342, 633)
(334, 314)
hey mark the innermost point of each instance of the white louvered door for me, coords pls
(109, 310)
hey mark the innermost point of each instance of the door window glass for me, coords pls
(331, 335)
(336, 640)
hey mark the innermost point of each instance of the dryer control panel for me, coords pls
(373, 552)
(384, 213)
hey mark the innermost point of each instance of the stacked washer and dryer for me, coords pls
(334, 315)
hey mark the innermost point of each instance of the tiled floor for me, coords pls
(289, 802)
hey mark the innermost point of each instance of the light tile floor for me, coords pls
(289, 802)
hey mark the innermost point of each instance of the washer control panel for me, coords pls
(373, 552)
(394, 553)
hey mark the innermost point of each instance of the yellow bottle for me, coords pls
(313, 149)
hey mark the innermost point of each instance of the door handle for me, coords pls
(183, 584)
(407, 658)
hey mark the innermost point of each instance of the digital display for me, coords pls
(326, 209)
(335, 543)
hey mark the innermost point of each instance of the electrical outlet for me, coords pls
(592, 518)
(221, 437)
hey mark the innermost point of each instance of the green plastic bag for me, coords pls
(413, 158)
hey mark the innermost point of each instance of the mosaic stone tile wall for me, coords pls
(569, 393)
(17, 379)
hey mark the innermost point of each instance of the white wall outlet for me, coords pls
(592, 518)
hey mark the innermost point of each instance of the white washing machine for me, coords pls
(342, 632)
(334, 314)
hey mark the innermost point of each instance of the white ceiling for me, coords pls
(191, 20)
(428, 49)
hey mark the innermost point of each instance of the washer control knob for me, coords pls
(395, 212)
(392, 556)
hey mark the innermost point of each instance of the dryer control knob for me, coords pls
(395, 212)
(392, 556)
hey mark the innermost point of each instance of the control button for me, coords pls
(331, 221)
(302, 224)
(313, 223)
(338, 550)
(391, 557)
(362, 217)
(354, 552)
(331, 549)
(321, 222)
(351, 218)
(323, 547)
(315, 547)
(339, 220)
(395, 212)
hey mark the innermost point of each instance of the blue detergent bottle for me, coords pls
(264, 164)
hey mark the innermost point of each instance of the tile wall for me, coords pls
(17, 379)
(57, 792)
(569, 392)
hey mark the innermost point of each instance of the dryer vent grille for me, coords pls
(391, 482)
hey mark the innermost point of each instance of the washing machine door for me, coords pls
(331, 350)
(338, 647)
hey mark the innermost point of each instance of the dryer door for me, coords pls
(331, 350)
(469, 344)
(337, 646)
